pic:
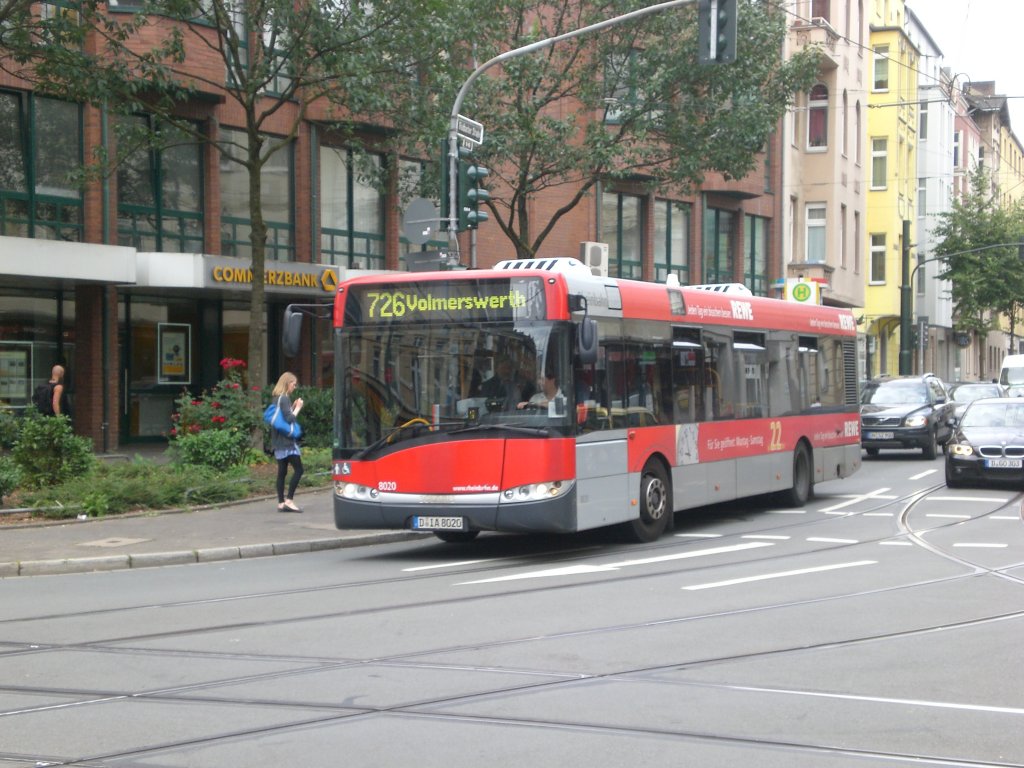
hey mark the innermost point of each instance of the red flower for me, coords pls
(218, 419)
(229, 362)
(215, 404)
(193, 428)
(197, 402)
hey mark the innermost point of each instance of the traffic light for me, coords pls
(472, 194)
(716, 31)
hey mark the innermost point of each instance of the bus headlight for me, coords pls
(355, 491)
(536, 491)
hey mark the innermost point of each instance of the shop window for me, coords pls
(351, 210)
(621, 228)
(672, 240)
(160, 191)
(45, 136)
(277, 182)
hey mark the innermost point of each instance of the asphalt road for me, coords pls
(880, 626)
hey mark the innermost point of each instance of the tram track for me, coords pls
(419, 709)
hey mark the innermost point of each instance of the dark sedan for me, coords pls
(963, 393)
(988, 444)
(904, 412)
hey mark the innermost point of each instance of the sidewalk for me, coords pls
(252, 528)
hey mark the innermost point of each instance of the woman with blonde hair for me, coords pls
(286, 449)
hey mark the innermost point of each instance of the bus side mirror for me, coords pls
(586, 341)
(291, 335)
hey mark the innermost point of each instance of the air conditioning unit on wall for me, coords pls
(595, 256)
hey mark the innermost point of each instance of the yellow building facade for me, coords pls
(891, 170)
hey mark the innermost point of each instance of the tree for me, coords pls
(347, 61)
(977, 244)
(629, 102)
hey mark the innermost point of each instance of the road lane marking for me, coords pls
(878, 493)
(968, 498)
(574, 570)
(779, 575)
(771, 536)
(826, 540)
(948, 517)
(896, 543)
(878, 514)
(1014, 518)
(884, 700)
(923, 474)
(442, 565)
(698, 535)
(980, 545)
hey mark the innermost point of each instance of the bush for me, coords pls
(47, 452)
(10, 476)
(317, 416)
(216, 429)
(10, 426)
(216, 448)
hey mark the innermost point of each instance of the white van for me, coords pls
(1012, 371)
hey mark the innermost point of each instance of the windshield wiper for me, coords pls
(390, 436)
(504, 427)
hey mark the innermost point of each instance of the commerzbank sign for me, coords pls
(290, 277)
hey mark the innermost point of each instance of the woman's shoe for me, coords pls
(289, 506)
(280, 507)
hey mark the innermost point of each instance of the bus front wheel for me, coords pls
(655, 505)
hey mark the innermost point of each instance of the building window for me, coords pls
(621, 229)
(817, 118)
(857, 133)
(351, 211)
(856, 242)
(879, 162)
(620, 92)
(922, 128)
(843, 252)
(718, 246)
(877, 275)
(845, 117)
(881, 60)
(277, 183)
(755, 241)
(42, 143)
(160, 193)
(815, 253)
(956, 148)
(922, 196)
(671, 240)
(819, 9)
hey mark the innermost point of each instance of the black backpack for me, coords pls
(43, 399)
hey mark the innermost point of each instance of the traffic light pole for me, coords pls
(453, 123)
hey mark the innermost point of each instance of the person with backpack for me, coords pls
(51, 398)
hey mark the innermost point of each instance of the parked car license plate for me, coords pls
(878, 435)
(1003, 463)
(430, 523)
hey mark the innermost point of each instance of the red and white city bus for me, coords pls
(538, 397)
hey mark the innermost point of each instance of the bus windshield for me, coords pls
(432, 381)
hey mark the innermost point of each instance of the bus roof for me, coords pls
(618, 297)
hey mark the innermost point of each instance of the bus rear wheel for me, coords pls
(655, 505)
(456, 537)
(803, 481)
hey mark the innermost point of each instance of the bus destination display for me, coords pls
(447, 301)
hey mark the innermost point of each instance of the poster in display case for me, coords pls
(15, 374)
(174, 358)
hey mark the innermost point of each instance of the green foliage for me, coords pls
(116, 488)
(317, 416)
(47, 452)
(10, 476)
(977, 242)
(216, 448)
(216, 428)
(10, 426)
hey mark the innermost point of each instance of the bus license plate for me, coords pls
(879, 435)
(1003, 463)
(425, 523)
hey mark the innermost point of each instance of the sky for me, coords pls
(982, 40)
